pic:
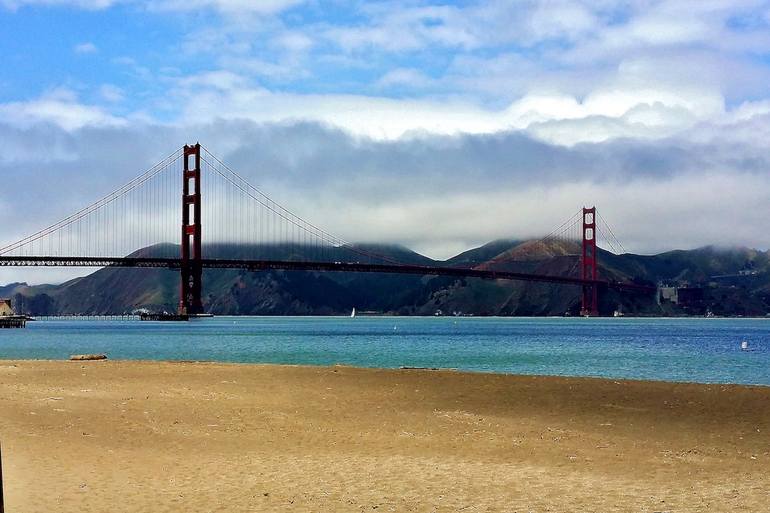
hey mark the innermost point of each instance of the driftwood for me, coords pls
(87, 357)
(405, 367)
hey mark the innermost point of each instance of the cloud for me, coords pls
(112, 93)
(43, 145)
(80, 4)
(227, 6)
(404, 77)
(624, 108)
(437, 193)
(381, 118)
(59, 107)
(408, 28)
(293, 41)
(84, 48)
(220, 80)
(634, 69)
(438, 126)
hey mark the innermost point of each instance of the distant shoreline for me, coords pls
(398, 316)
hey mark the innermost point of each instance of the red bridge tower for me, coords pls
(192, 269)
(590, 301)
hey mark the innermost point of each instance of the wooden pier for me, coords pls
(13, 321)
(86, 317)
(164, 317)
(117, 317)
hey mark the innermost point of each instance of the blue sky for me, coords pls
(142, 52)
(132, 57)
(629, 104)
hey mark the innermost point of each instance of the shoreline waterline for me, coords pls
(676, 350)
(405, 369)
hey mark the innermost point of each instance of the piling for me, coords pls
(14, 321)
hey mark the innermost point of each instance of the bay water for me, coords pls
(692, 350)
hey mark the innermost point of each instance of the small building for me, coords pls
(682, 295)
(669, 294)
(6, 310)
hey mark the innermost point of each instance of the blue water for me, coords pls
(700, 350)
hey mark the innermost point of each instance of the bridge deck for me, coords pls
(288, 265)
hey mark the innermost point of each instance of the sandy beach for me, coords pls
(200, 437)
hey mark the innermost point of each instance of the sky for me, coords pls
(437, 125)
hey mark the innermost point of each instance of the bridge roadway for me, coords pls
(288, 265)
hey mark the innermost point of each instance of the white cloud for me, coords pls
(443, 226)
(81, 4)
(59, 107)
(406, 28)
(749, 109)
(379, 118)
(293, 41)
(438, 194)
(112, 93)
(227, 6)
(562, 19)
(404, 77)
(220, 80)
(612, 113)
(276, 71)
(620, 110)
(85, 48)
(50, 145)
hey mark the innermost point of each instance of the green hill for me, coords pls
(726, 281)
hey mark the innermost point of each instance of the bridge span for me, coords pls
(290, 265)
(144, 213)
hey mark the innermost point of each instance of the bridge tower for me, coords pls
(588, 264)
(191, 267)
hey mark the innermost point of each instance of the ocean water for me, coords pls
(697, 350)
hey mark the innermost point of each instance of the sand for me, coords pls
(194, 437)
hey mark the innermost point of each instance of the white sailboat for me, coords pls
(353, 313)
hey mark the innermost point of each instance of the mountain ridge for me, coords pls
(730, 281)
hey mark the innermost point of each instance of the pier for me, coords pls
(86, 317)
(164, 317)
(13, 321)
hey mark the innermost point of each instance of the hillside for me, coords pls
(726, 281)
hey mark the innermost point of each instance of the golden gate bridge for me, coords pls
(137, 225)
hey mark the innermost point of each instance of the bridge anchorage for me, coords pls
(137, 226)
